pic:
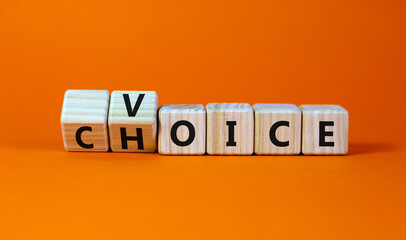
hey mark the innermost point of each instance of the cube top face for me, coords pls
(85, 106)
(274, 108)
(323, 109)
(325, 130)
(133, 121)
(146, 113)
(277, 129)
(228, 107)
(182, 108)
(84, 120)
(182, 129)
(230, 129)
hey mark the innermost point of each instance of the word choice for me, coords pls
(130, 121)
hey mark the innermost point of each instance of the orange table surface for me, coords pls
(350, 53)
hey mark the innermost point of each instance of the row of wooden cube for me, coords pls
(127, 122)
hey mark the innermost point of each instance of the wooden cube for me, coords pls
(325, 130)
(230, 129)
(277, 129)
(84, 120)
(133, 121)
(182, 129)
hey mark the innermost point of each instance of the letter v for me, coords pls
(132, 112)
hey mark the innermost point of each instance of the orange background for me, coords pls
(351, 53)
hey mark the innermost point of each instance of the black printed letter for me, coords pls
(231, 142)
(79, 137)
(125, 138)
(132, 112)
(174, 129)
(272, 134)
(323, 134)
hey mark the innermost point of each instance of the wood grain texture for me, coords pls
(312, 116)
(145, 118)
(218, 131)
(83, 108)
(266, 115)
(171, 114)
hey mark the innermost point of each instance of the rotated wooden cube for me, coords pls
(84, 120)
(277, 129)
(182, 129)
(325, 130)
(230, 129)
(133, 121)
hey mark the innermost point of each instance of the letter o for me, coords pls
(192, 133)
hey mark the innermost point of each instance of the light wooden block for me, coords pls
(133, 121)
(277, 129)
(182, 129)
(84, 120)
(325, 130)
(230, 129)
